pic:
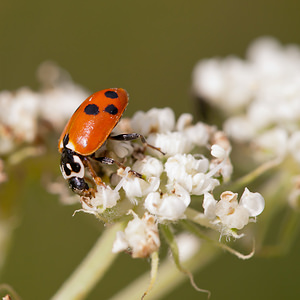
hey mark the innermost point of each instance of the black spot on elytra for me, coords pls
(91, 109)
(66, 140)
(111, 109)
(111, 94)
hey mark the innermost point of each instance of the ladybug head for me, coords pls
(72, 169)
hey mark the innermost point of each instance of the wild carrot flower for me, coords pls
(259, 99)
(259, 95)
(25, 114)
(152, 190)
(169, 182)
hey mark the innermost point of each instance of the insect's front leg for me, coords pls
(109, 161)
(96, 178)
(134, 136)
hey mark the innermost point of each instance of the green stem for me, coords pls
(91, 269)
(199, 218)
(169, 277)
(275, 192)
(196, 231)
(287, 235)
(289, 231)
(170, 238)
(154, 270)
(248, 178)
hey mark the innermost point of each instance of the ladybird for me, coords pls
(87, 130)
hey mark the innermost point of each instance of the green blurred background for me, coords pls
(149, 48)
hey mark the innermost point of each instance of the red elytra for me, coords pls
(93, 121)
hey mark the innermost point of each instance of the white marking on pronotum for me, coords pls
(79, 174)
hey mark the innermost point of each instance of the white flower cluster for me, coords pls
(140, 236)
(169, 181)
(260, 95)
(229, 213)
(24, 113)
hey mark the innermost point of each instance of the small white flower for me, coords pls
(120, 244)
(105, 197)
(228, 202)
(58, 91)
(209, 206)
(230, 213)
(228, 83)
(270, 58)
(208, 79)
(198, 134)
(260, 115)
(239, 128)
(221, 164)
(136, 187)
(67, 97)
(140, 236)
(171, 143)
(272, 143)
(203, 183)
(238, 219)
(168, 206)
(19, 112)
(190, 173)
(149, 166)
(218, 152)
(184, 121)
(120, 148)
(154, 121)
(234, 214)
(253, 202)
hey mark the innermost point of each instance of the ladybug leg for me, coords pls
(135, 136)
(92, 190)
(96, 178)
(86, 199)
(109, 161)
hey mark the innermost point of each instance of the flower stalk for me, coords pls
(92, 268)
(154, 271)
(169, 277)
